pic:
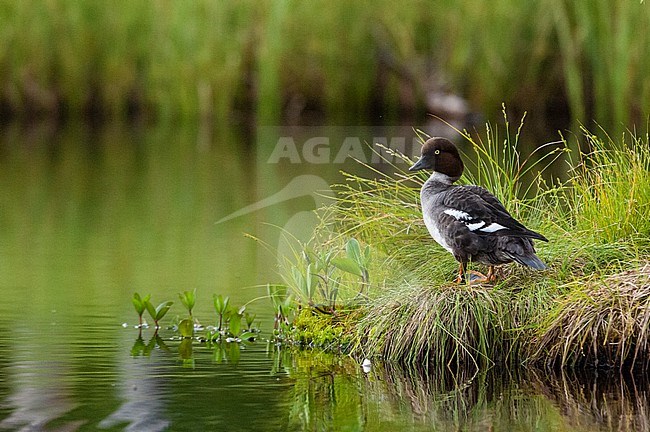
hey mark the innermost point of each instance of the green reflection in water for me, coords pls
(332, 393)
(88, 217)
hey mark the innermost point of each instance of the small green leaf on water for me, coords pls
(248, 336)
(186, 328)
(150, 308)
(250, 318)
(188, 298)
(138, 304)
(162, 309)
(235, 324)
(220, 303)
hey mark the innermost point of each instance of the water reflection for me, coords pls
(611, 399)
(143, 406)
(38, 397)
(258, 386)
(334, 394)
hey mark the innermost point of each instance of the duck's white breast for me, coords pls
(432, 226)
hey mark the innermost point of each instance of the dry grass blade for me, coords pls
(600, 323)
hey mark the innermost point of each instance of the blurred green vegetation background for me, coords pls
(282, 61)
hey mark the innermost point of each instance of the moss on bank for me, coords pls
(327, 331)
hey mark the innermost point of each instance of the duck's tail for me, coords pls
(530, 260)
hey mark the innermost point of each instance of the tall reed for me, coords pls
(212, 59)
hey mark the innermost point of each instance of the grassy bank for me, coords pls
(559, 60)
(590, 308)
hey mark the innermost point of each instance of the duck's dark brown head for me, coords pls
(440, 155)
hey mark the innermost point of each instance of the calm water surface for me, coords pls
(87, 217)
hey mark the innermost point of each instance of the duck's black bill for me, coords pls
(418, 165)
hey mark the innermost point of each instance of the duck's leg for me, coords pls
(461, 273)
(474, 277)
(470, 276)
(491, 275)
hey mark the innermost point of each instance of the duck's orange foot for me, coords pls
(475, 277)
(471, 277)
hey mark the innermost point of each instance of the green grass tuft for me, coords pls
(452, 326)
(608, 193)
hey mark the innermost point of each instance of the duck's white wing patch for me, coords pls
(492, 228)
(475, 226)
(458, 214)
(471, 223)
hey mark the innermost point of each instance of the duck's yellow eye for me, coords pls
(437, 152)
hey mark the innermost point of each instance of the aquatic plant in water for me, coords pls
(355, 262)
(586, 310)
(223, 339)
(188, 298)
(157, 313)
(221, 307)
(319, 276)
(250, 319)
(283, 307)
(139, 304)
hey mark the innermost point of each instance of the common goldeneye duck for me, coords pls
(468, 221)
